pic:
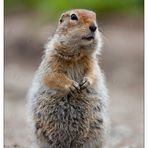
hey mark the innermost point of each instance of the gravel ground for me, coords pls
(122, 61)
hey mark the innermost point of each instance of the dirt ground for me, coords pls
(122, 62)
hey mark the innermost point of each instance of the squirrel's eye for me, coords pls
(61, 20)
(74, 17)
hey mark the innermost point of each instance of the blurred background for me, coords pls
(29, 23)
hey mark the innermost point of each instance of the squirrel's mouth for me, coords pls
(88, 38)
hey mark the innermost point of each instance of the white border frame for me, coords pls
(145, 73)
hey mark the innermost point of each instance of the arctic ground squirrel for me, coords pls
(68, 99)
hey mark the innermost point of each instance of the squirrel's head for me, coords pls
(78, 29)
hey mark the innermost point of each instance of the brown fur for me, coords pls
(58, 79)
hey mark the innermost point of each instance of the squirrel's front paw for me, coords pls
(84, 83)
(75, 88)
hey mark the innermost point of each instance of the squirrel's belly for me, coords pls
(61, 121)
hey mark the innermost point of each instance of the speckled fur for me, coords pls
(58, 118)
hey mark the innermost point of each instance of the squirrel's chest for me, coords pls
(75, 72)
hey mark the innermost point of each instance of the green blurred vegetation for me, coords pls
(54, 7)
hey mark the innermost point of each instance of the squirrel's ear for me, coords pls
(61, 18)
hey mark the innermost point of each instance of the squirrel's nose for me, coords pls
(92, 28)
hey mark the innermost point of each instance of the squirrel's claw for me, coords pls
(84, 83)
(75, 88)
